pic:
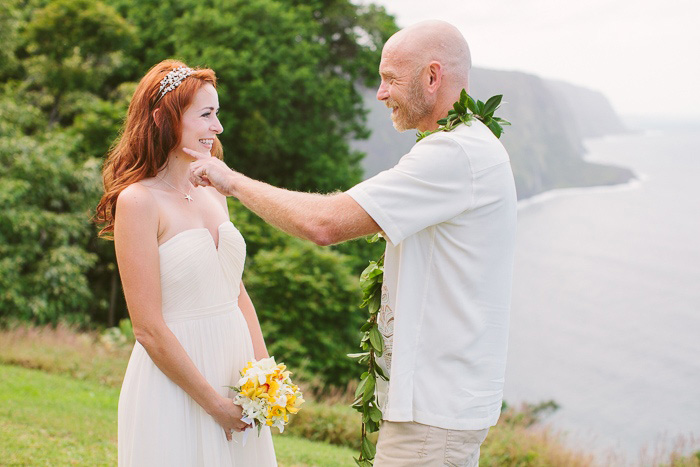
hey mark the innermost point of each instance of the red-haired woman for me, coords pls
(180, 261)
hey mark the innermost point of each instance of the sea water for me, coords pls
(606, 300)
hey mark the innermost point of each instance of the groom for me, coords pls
(448, 212)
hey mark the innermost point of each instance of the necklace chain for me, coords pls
(187, 195)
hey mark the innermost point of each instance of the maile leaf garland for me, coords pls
(465, 110)
(372, 345)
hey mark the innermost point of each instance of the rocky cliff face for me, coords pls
(550, 120)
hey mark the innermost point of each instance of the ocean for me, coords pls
(606, 302)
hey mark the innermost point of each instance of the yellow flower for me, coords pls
(278, 411)
(273, 388)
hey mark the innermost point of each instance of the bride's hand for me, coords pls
(207, 170)
(228, 415)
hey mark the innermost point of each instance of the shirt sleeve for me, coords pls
(431, 184)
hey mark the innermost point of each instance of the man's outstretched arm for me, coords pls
(323, 219)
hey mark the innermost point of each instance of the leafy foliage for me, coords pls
(287, 73)
(465, 110)
(372, 344)
(304, 296)
(44, 229)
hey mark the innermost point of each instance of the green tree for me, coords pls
(44, 228)
(306, 297)
(73, 46)
(287, 74)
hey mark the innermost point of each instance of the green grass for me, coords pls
(55, 420)
(49, 420)
(293, 452)
(58, 406)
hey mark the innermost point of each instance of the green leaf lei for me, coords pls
(465, 110)
(372, 345)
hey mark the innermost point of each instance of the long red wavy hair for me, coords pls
(142, 148)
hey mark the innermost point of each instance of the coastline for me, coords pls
(632, 183)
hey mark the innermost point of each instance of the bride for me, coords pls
(180, 261)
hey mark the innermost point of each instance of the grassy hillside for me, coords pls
(58, 406)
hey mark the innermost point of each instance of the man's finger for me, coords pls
(197, 155)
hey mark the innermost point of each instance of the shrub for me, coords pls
(307, 300)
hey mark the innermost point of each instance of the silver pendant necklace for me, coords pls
(187, 195)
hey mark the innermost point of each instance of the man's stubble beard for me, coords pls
(412, 110)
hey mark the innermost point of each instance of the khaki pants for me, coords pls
(404, 444)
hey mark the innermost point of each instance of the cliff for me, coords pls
(550, 120)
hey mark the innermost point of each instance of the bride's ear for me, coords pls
(156, 117)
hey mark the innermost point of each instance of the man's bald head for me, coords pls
(433, 41)
(423, 69)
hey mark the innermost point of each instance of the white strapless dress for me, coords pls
(159, 423)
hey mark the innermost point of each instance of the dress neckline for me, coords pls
(216, 245)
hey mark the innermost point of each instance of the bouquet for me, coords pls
(267, 394)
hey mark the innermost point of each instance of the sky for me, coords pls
(643, 55)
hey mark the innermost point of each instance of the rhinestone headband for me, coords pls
(173, 80)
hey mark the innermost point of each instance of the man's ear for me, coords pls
(434, 76)
(156, 117)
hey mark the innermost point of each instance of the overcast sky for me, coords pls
(643, 55)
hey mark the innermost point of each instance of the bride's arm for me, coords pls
(136, 245)
(246, 306)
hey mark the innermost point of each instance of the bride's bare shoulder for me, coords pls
(138, 199)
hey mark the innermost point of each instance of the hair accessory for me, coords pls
(173, 80)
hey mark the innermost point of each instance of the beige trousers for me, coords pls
(405, 444)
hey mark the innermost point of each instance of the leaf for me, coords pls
(375, 414)
(365, 327)
(463, 97)
(368, 449)
(492, 104)
(501, 121)
(374, 238)
(372, 426)
(378, 271)
(459, 108)
(479, 108)
(376, 339)
(368, 389)
(466, 119)
(442, 121)
(361, 387)
(355, 355)
(471, 105)
(495, 128)
(375, 302)
(381, 373)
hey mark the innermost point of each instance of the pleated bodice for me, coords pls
(197, 277)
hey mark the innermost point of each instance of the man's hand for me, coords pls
(210, 171)
(323, 219)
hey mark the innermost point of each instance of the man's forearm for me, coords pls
(323, 219)
(304, 215)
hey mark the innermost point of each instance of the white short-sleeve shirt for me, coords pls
(448, 212)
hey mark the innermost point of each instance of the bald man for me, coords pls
(448, 213)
